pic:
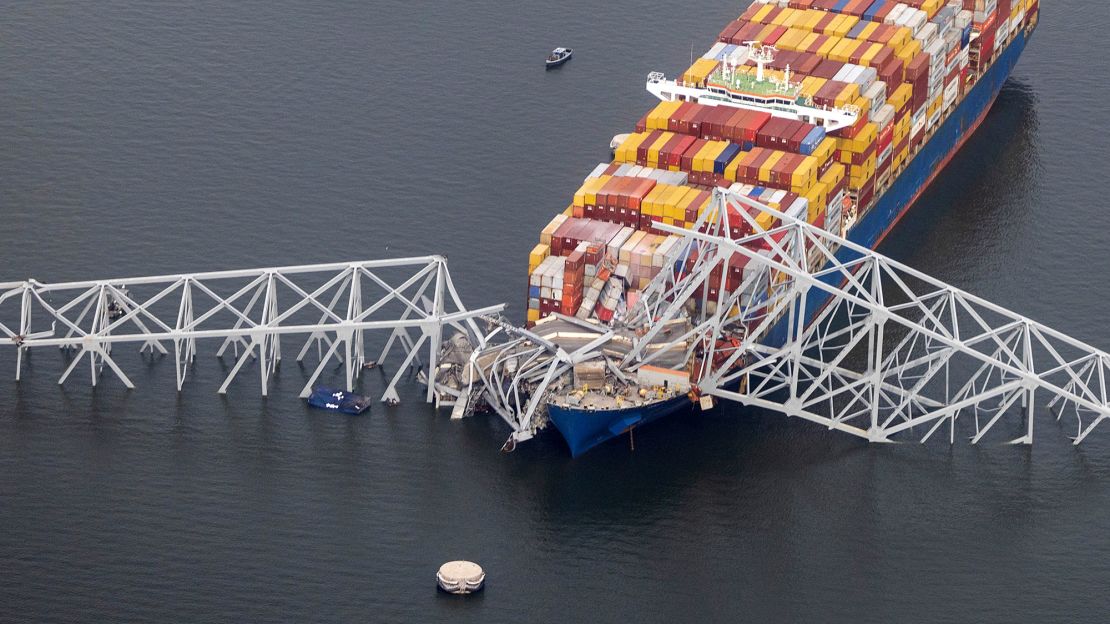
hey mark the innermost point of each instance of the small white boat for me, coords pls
(558, 56)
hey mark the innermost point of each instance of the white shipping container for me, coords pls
(918, 123)
(963, 19)
(867, 77)
(598, 171)
(950, 93)
(845, 70)
(715, 50)
(892, 17)
(926, 34)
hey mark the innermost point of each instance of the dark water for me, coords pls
(144, 137)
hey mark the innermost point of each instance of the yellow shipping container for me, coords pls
(804, 176)
(811, 85)
(549, 229)
(537, 255)
(589, 191)
(834, 174)
(668, 200)
(825, 150)
(792, 40)
(865, 34)
(699, 71)
(931, 7)
(901, 37)
(827, 47)
(908, 51)
(733, 166)
(661, 114)
(533, 315)
(812, 19)
(818, 199)
(844, 24)
(848, 95)
(808, 41)
(765, 221)
(688, 201)
(765, 170)
(673, 202)
(843, 49)
(703, 160)
(788, 17)
(626, 151)
(653, 151)
(864, 106)
(760, 14)
(647, 204)
(900, 96)
(872, 51)
(781, 17)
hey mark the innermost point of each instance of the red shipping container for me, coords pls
(642, 148)
(881, 14)
(715, 126)
(674, 157)
(730, 30)
(746, 33)
(795, 143)
(891, 73)
(824, 22)
(673, 122)
(699, 119)
(816, 44)
(807, 64)
(686, 162)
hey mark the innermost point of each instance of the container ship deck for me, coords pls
(836, 112)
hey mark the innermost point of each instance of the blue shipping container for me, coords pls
(812, 140)
(726, 155)
(869, 14)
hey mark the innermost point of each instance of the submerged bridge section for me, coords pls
(332, 307)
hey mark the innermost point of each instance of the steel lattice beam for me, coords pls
(893, 351)
(331, 305)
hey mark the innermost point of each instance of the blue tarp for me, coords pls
(338, 401)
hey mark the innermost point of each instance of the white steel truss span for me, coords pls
(333, 306)
(890, 352)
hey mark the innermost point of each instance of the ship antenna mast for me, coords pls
(761, 54)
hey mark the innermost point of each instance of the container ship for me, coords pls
(838, 112)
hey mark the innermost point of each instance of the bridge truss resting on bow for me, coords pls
(332, 307)
(840, 335)
(821, 329)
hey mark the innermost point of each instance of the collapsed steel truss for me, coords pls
(889, 352)
(332, 306)
(820, 328)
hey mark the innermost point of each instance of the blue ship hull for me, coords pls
(585, 429)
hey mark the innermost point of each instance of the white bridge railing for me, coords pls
(333, 306)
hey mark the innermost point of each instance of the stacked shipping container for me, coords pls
(899, 65)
